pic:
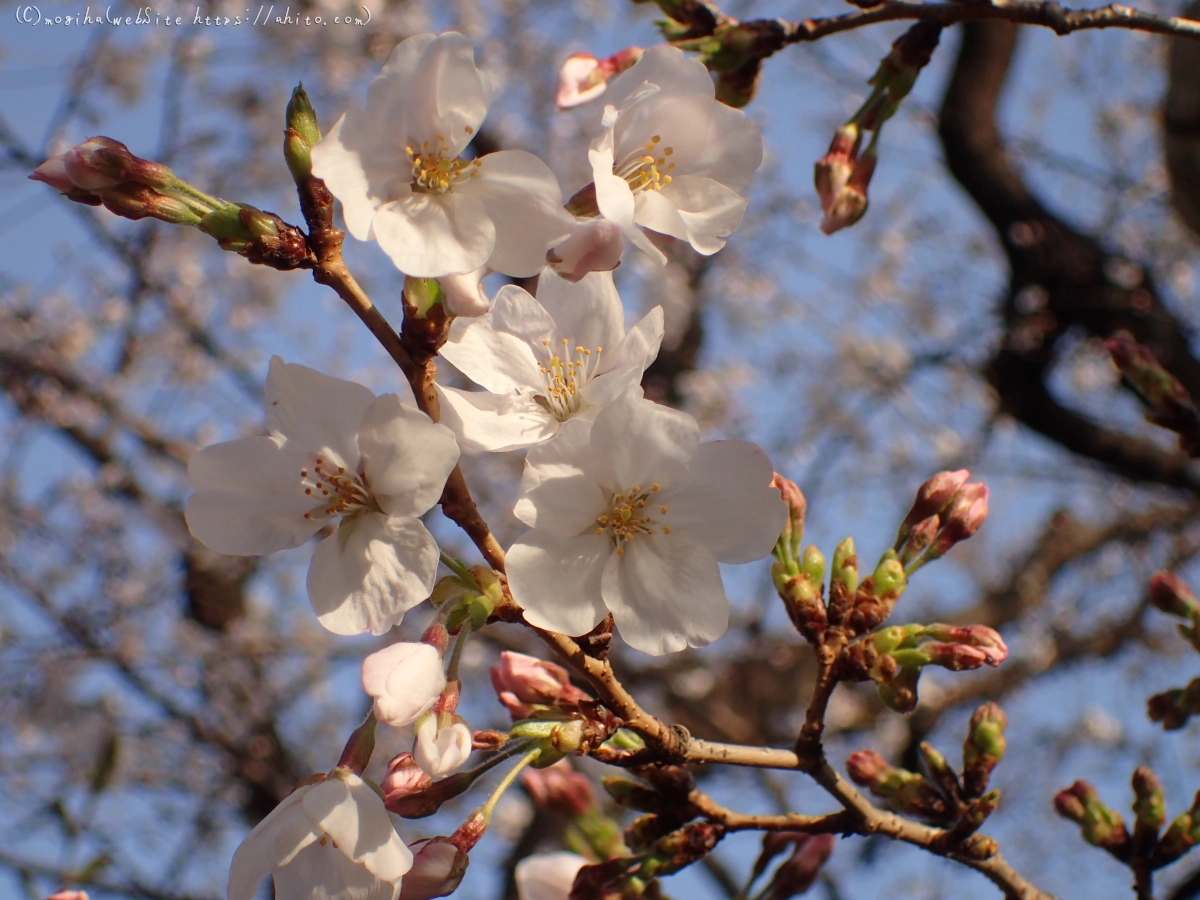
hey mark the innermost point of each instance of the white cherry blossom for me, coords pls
(544, 362)
(548, 876)
(335, 454)
(442, 743)
(630, 515)
(405, 681)
(672, 158)
(396, 169)
(332, 839)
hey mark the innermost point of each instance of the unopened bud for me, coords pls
(1171, 594)
(594, 245)
(68, 895)
(1100, 826)
(680, 849)
(799, 873)
(301, 134)
(934, 496)
(899, 691)
(135, 201)
(437, 870)
(1149, 807)
(421, 295)
(524, 682)
(984, 747)
(583, 78)
(1173, 708)
(919, 538)
(843, 581)
(464, 295)
(559, 789)
(793, 530)
(54, 173)
(1181, 835)
(842, 182)
(979, 847)
(404, 779)
(905, 792)
(966, 514)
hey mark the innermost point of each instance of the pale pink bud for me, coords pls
(1171, 594)
(980, 637)
(595, 245)
(439, 748)
(559, 789)
(69, 895)
(406, 680)
(955, 657)
(437, 870)
(54, 173)
(404, 779)
(521, 680)
(935, 494)
(97, 163)
(583, 78)
(866, 767)
(548, 876)
(463, 295)
(967, 513)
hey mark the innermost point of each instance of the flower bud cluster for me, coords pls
(893, 657)
(947, 510)
(1100, 825)
(905, 792)
(629, 877)
(1169, 593)
(842, 175)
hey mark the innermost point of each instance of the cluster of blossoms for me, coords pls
(628, 514)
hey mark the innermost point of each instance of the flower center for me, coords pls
(340, 493)
(566, 376)
(434, 173)
(627, 517)
(647, 169)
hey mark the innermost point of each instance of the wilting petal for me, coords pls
(556, 580)
(665, 594)
(372, 570)
(406, 456)
(248, 498)
(518, 190)
(727, 503)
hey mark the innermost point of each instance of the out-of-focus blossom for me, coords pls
(548, 876)
(559, 789)
(397, 171)
(582, 78)
(336, 453)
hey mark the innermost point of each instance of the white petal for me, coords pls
(587, 313)
(523, 198)
(309, 412)
(361, 168)
(615, 199)
(248, 498)
(595, 245)
(679, 121)
(445, 97)
(732, 149)
(273, 842)
(604, 389)
(354, 816)
(485, 351)
(431, 235)
(667, 67)
(323, 873)
(372, 570)
(439, 751)
(641, 344)
(638, 442)
(406, 456)
(556, 495)
(665, 594)
(726, 502)
(556, 580)
(464, 295)
(548, 876)
(704, 209)
(405, 680)
(493, 423)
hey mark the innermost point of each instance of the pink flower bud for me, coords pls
(594, 245)
(980, 637)
(404, 779)
(935, 494)
(437, 870)
(583, 78)
(1171, 594)
(799, 873)
(54, 173)
(866, 767)
(796, 504)
(441, 747)
(559, 789)
(520, 681)
(966, 514)
(955, 657)
(69, 895)
(406, 680)
(463, 295)
(841, 177)
(97, 163)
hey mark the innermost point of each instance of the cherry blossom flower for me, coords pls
(630, 515)
(672, 158)
(582, 78)
(336, 453)
(405, 680)
(442, 743)
(548, 876)
(544, 362)
(325, 840)
(396, 169)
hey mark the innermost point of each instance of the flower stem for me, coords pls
(457, 652)
(506, 783)
(459, 568)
